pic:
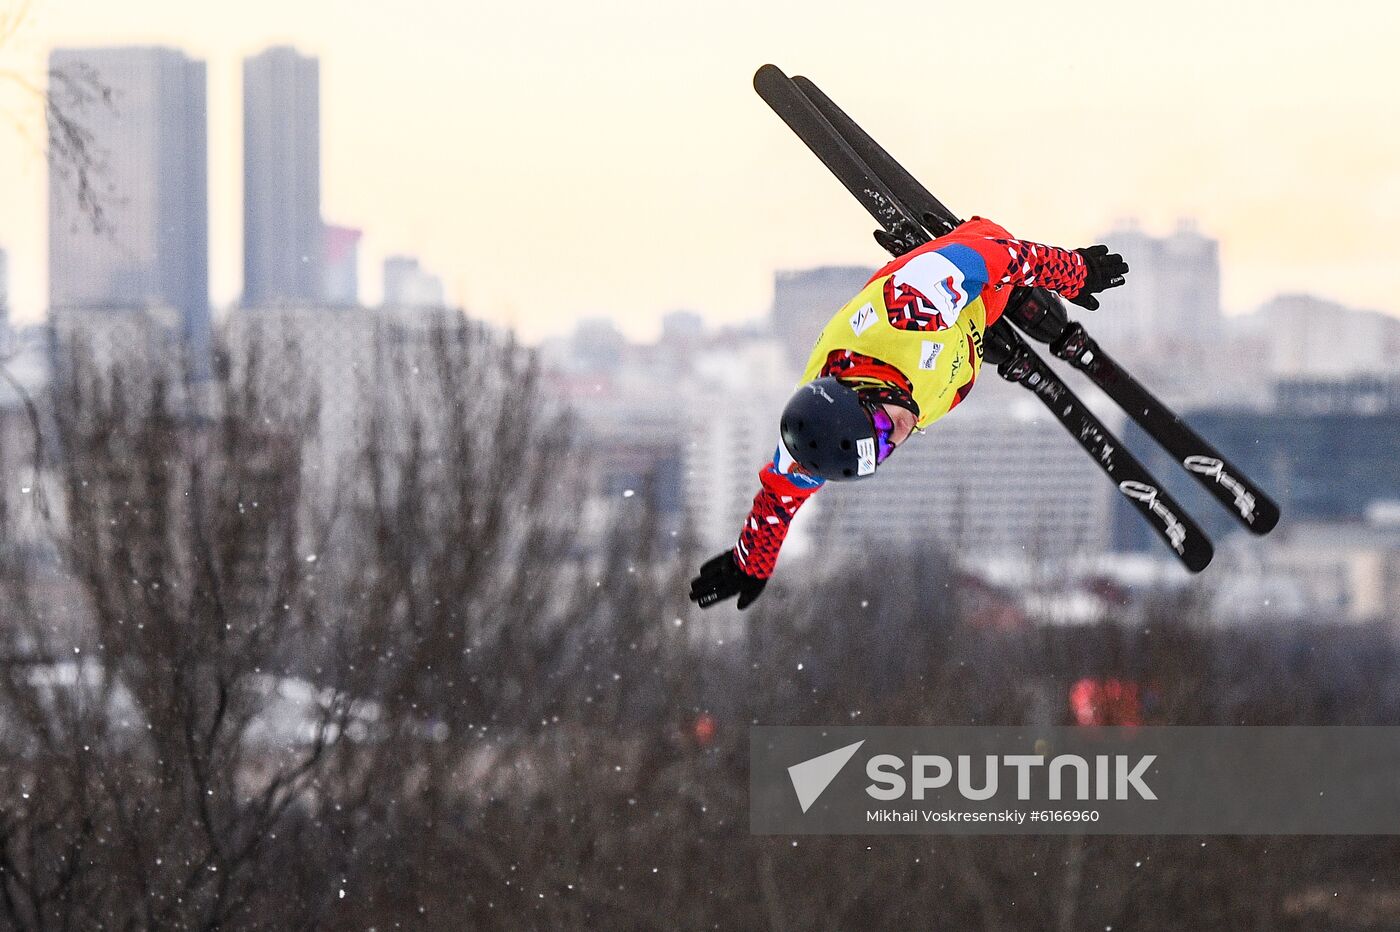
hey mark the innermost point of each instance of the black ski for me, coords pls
(1143, 491)
(1041, 314)
(1232, 488)
(903, 228)
(935, 217)
(902, 232)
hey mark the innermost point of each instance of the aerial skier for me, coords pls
(898, 356)
(909, 347)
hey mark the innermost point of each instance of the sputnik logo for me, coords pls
(811, 777)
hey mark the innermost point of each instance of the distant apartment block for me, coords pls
(408, 285)
(341, 249)
(1310, 337)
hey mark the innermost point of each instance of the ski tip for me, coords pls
(1265, 518)
(1198, 559)
(767, 73)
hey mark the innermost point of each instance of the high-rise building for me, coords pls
(282, 236)
(1189, 283)
(1172, 295)
(342, 266)
(151, 248)
(804, 300)
(4, 302)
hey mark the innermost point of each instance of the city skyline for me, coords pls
(623, 173)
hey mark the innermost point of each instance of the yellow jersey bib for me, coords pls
(941, 365)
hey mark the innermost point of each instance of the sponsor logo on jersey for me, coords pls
(865, 456)
(863, 319)
(928, 354)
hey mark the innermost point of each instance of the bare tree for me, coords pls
(67, 97)
(181, 572)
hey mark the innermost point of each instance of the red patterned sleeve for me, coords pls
(766, 527)
(1037, 266)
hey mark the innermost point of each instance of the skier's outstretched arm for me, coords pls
(1076, 274)
(986, 255)
(744, 569)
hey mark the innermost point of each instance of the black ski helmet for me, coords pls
(828, 432)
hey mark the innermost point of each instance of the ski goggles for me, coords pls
(884, 430)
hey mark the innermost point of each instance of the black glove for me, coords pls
(720, 578)
(1105, 270)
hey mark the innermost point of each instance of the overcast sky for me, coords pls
(559, 160)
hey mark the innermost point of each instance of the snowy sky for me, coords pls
(554, 160)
